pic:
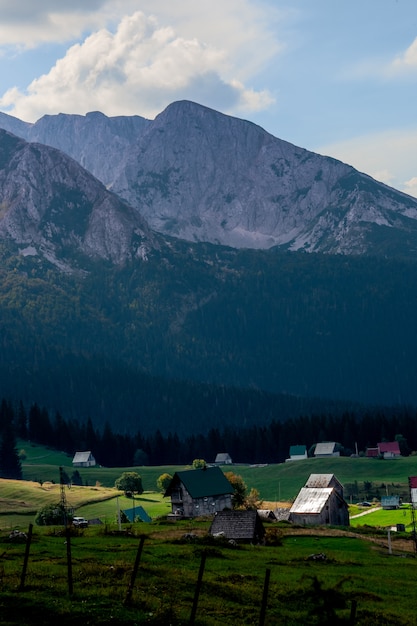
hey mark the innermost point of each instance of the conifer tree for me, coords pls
(10, 466)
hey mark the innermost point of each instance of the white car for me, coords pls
(81, 522)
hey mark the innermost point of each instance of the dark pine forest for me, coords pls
(256, 444)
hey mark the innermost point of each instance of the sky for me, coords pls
(338, 77)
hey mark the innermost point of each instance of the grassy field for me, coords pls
(302, 590)
(274, 482)
(357, 566)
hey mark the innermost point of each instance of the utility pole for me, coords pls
(63, 498)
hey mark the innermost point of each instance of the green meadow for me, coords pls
(354, 578)
(360, 578)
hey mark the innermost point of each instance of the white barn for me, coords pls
(83, 459)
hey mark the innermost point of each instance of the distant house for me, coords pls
(372, 453)
(297, 453)
(320, 502)
(238, 525)
(389, 449)
(199, 492)
(390, 502)
(223, 458)
(326, 448)
(83, 459)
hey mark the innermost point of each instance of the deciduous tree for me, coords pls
(129, 482)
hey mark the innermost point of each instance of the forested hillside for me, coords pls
(123, 343)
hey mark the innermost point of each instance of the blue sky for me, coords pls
(333, 76)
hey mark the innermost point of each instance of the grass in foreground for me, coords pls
(302, 590)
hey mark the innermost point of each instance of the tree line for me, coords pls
(256, 444)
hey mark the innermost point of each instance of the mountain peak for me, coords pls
(201, 175)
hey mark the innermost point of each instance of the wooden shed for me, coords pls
(199, 492)
(238, 525)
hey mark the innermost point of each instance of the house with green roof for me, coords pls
(297, 453)
(199, 492)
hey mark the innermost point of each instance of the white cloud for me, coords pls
(405, 62)
(389, 157)
(139, 69)
(410, 186)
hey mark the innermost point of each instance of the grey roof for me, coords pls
(239, 525)
(311, 500)
(267, 514)
(222, 457)
(321, 480)
(326, 447)
(82, 457)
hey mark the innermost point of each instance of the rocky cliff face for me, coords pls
(196, 174)
(53, 207)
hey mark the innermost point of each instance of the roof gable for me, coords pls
(322, 480)
(201, 483)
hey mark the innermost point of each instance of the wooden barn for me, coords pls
(199, 492)
(238, 525)
(320, 502)
(83, 459)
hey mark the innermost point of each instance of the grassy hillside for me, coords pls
(20, 500)
(274, 482)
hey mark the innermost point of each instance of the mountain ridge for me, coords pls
(53, 206)
(85, 279)
(199, 175)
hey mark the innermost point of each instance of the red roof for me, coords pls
(389, 446)
(413, 482)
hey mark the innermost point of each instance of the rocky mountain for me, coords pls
(199, 175)
(53, 207)
(94, 304)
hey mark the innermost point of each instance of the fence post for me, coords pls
(353, 607)
(26, 558)
(197, 588)
(69, 560)
(128, 598)
(264, 598)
